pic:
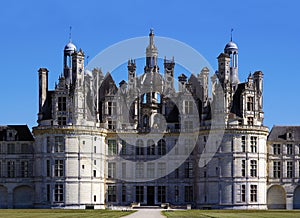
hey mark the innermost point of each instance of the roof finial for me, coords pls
(231, 34)
(70, 34)
(151, 31)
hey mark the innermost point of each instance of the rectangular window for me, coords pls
(243, 143)
(188, 146)
(111, 124)
(26, 148)
(188, 107)
(253, 144)
(111, 193)
(188, 125)
(161, 147)
(11, 148)
(139, 193)
(62, 104)
(161, 170)
(123, 193)
(112, 108)
(188, 193)
(243, 168)
(253, 168)
(112, 147)
(111, 170)
(188, 169)
(48, 193)
(95, 198)
(176, 173)
(49, 149)
(176, 193)
(161, 194)
(253, 193)
(123, 150)
(59, 193)
(289, 149)
(94, 173)
(243, 193)
(59, 144)
(24, 169)
(124, 171)
(139, 171)
(276, 169)
(10, 169)
(150, 170)
(276, 149)
(289, 169)
(62, 121)
(250, 105)
(59, 168)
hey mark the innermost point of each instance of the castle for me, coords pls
(146, 141)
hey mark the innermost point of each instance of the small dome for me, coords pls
(230, 47)
(70, 47)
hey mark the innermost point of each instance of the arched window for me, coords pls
(150, 147)
(161, 147)
(139, 149)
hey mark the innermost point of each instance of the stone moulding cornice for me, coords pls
(70, 130)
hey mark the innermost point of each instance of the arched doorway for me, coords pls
(276, 197)
(23, 197)
(296, 202)
(3, 197)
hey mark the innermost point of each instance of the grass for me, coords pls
(232, 214)
(36, 213)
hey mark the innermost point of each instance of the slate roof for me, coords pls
(279, 133)
(23, 132)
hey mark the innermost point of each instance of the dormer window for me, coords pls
(289, 135)
(62, 104)
(250, 105)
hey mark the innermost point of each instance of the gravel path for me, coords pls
(146, 213)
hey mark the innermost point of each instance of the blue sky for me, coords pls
(34, 33)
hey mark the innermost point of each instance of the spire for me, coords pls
(231, 34)
(151, 37)
(70, 34)
(151, 52)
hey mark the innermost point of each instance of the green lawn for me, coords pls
(62, 213)
(232, 214)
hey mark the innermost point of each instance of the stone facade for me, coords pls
(284, 167)
(146, 141)
(16, 167)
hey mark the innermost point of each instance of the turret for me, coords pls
(169, 72)
(78, 68)
(69, 49)
(232, 50)
(151, 54)
(131, 74)
(223, 67)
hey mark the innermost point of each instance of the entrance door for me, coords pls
(150, 195)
